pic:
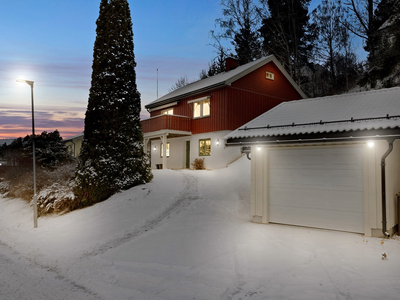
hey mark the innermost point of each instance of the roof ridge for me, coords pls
(344, 95)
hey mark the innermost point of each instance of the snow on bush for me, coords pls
(54, 187)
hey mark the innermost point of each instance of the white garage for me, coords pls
(317, 187)
(330, 162)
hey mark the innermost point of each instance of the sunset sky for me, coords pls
(51, 43)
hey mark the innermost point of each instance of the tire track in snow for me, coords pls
(184, 199)
(25, 279)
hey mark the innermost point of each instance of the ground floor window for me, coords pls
(162, 149)
(205, 147)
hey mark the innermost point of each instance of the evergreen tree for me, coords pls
(240, 24)
(287, 34)
(112, 156)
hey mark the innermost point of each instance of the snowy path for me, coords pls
(23, 279)
(188, 194)
(187, 235)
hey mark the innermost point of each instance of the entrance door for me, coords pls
(187, 154)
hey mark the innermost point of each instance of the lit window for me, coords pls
(162, 149)
(270, 76)
(201, 109)
(205, 147)
(167, 111)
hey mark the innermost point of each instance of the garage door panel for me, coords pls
(350, 158)
(319, 187)
(315, 217)
(312, 159)
(317, 179)
(339, 200)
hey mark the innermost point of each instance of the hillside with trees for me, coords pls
(315, 47)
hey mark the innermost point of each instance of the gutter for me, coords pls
(180, 97)
(313, 140)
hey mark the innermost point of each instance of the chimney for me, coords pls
(230, 64)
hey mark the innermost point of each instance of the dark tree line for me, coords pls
(50, 152)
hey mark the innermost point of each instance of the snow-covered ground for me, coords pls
(186, 235)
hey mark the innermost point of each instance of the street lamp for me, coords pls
(35, 223)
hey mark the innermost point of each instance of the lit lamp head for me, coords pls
(217, 142)
(26, 81)
(370, 144)
(155, 148)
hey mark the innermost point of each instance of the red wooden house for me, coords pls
(191, 122)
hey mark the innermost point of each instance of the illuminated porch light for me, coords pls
(258, 148)
(155, 148)
(217, 142)
(371, 144)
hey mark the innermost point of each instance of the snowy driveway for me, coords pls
(187, 235)
(24, 280)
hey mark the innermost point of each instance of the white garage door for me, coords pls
(317, 187)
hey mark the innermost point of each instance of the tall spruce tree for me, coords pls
(112, 156)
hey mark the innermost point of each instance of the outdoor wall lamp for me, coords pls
(35, 223)
(371, 144)
(155, 148)
(217, 142)
(258, 148)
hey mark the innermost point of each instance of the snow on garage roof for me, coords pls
(377, 109)
(221, 79)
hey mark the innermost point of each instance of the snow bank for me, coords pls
(188, 235)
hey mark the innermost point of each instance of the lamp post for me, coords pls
(35, 223)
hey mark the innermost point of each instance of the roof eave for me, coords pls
(180, 97)
(322, 137)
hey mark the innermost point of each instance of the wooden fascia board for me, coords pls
(267, 60)
(180, 97)
(312, 138)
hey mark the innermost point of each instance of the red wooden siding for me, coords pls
(166, 122)
(256, 81)
(242, 111)
(231, 106)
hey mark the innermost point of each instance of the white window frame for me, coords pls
(162, 149)
(270, 75)
(201, 103)
(203, 150)
(169, 111)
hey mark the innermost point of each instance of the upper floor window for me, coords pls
(270, 75)
(201, 108)
(169, 111)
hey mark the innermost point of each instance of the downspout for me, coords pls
(383, 185)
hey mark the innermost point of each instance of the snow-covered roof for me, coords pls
(74, 137)
(225, 78)
(377, 109)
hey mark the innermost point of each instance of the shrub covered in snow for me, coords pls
(198, 164)
(54, 187)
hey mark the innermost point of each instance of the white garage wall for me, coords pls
(372, 185)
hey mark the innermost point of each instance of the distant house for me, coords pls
(191, 122)
(330, 162)
(74, 144)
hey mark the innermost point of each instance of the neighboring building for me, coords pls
(74, 144)
(191, 122)
(330, 162)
